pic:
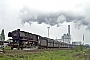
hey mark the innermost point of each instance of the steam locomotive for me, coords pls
(22, 39)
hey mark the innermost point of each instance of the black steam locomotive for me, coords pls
(22, 39)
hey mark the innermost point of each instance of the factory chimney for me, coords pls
(68, 29)
(83, 39)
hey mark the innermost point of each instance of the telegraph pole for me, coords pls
(48, 31)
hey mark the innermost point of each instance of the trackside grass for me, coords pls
(50, 55)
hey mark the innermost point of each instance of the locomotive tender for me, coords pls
(22, 39)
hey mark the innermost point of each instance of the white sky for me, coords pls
(9, 11)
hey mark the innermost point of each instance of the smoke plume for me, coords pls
(55, 18)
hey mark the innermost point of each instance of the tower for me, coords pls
(68, 29)
(83, 39)
(48, 31)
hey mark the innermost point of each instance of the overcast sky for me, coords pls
(36, 15)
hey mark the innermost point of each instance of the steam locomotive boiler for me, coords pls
(22, 39)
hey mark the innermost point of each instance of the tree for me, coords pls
(2, 35)
(0, 38)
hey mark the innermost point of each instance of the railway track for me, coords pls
(14, 52)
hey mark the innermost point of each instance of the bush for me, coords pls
(79, 48)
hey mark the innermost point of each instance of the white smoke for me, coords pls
(29, 15)
(56, 18)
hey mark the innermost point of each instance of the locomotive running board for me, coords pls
(34, 48)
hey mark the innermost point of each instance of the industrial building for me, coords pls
(76, 43)
(66, 38)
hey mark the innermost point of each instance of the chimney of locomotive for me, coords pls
(68, 29)
(18, 29)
